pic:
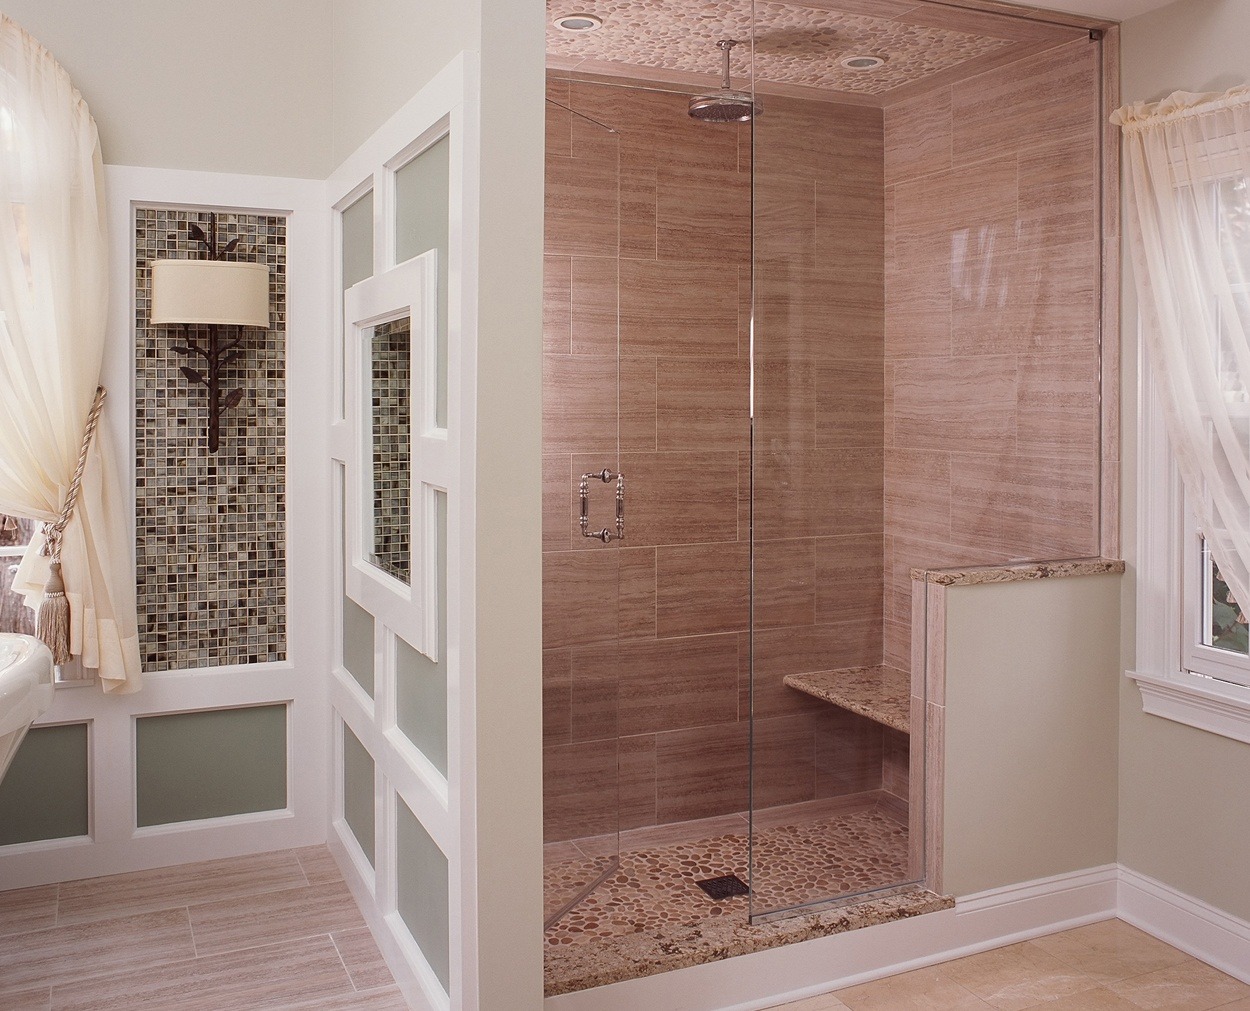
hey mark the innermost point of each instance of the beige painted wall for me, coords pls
(1183, 819)
(229, 86)
(1031, 680)
(509, 519)
(383, 52)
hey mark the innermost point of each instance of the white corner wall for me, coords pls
(1183, 816)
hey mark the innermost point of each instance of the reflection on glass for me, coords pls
(421, 224)
(1226, 626)
(390, 399)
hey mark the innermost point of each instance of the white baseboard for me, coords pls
(1184, 922)
(765, 978)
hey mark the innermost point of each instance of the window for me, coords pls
(15, 534)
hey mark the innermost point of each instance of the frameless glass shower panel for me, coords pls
(583, 509)
(926, 366)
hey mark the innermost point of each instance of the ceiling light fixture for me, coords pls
(578, 23)
(863, 62)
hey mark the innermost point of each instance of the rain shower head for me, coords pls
(726, 105)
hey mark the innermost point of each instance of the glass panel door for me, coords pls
(584, 503)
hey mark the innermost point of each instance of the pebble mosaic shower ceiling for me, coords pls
(210, 527)
(794, 44)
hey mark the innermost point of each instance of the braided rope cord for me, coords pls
(53, 532)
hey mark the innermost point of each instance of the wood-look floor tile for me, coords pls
(365, 964)
(24, 909)
(184, 885)
(274, 916)
(267, 976)
(83, 950)
(318, 865)
(388, 998)
(27, 1000)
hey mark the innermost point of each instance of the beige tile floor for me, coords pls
(275, 930)
(1107, 966)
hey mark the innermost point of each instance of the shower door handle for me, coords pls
(605, 535)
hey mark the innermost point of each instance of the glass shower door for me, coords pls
(584, 501)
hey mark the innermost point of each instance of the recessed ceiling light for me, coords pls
(578, 23)
(863, 62)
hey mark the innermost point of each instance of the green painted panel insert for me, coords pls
(210, 764)
(422, 223)
(421, 683)
(423, 892)
(44, 793)
(357, 221)
(358, 791)
(358, 643)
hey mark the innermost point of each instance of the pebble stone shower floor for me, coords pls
(650, 913)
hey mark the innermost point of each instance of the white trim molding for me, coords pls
(1194, 926)
(1201, 702)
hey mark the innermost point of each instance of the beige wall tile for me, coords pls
(850, 403)
(1058, 405)
(575, 222)
(1052, 97)
(918, 136)
(784, 583)
(680, 498)
(672, 684)
(702, 404)
(955, 404)
(593, 296)
(783, 761)
(701, 772)
(580, 597)
(1024, 507)
(849, 752)
(557, 697)
(703, 214)
(557, 273)
(918, 493)
(579, 790)
(580, 404)
(848, 578)
(637, 618)
(702, 589)
(678, 308)
(636, 771)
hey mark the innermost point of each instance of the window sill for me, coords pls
(1214, 706)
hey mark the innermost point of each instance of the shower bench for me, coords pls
(881, 693)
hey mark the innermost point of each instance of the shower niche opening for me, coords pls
(848, 330)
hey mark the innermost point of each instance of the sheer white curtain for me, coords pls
(1188, 161)
(53, 302)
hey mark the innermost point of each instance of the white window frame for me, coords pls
(1178, 678)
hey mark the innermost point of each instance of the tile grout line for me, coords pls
(343, 962)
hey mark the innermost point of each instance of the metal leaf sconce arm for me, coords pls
(213, 293)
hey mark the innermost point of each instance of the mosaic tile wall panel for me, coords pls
(392, 447)
(210, 528)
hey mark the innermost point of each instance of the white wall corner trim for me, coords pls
(1215, 706)
(1187, 923)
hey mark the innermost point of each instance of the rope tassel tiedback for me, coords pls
(52, 619)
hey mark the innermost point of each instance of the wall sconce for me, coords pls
(212, 293)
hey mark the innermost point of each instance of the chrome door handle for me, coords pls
(605, 535)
